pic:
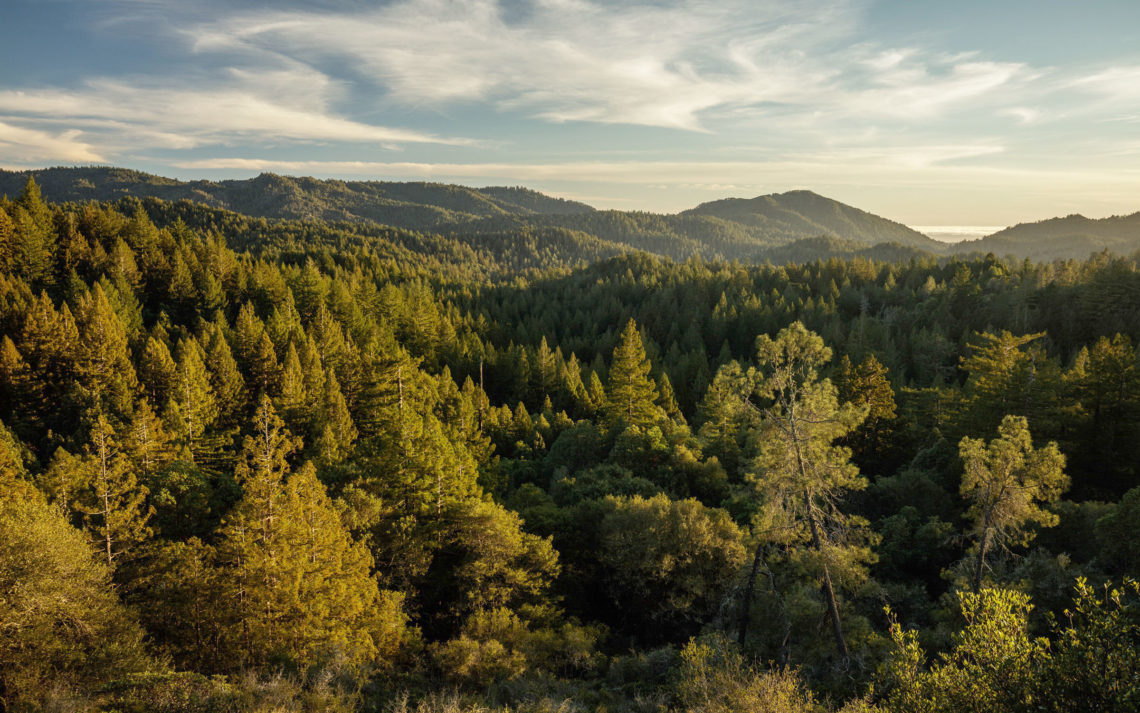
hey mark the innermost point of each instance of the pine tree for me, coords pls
(798, 471)
(1006, 482)
(157, 371)
(149, 445)
(113, 502)
(631, 394)
(302, 588)
(106, 377)
(192, 408)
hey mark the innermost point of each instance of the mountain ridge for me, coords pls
(799, 224)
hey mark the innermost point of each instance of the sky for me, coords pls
(930, 113)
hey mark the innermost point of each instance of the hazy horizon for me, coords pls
(926, 114)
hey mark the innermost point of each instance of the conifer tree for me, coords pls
(264, 371)
(337, 433)
(631, 394)
(193, 407)
(225, 379)
(13, 471)
(1006, 482)
(799, 471)
(157, 371)
(106, 376)
(595, 393)
(293, 401)
(867, 385)
(1008, 374)
(8, 246)
(112, 501)
(724, 418)
(149, 445)
(20, 394)
(668, 401)
(301, 586)
(34, 234)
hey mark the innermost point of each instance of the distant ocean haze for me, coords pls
(957, 233)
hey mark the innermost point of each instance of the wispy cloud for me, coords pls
(290, 104)
(667, 65)
(713, 175)
(21, 146)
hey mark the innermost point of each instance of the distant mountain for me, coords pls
(1073, 236)
(410, 205)
(784, 217)
(734, 228)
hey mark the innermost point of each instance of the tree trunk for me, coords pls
(746, 605)
(981, 561)
(829, 594)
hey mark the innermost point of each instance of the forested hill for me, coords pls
(797, 214)
(793, 226)
(1073, 236)
(752, 230)
(416, 206)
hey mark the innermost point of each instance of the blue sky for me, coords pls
(931, 113)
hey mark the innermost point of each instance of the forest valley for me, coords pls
(273, 465)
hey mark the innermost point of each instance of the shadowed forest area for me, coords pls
(252, 464)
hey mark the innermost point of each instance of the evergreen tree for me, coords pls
(149, 445)
(106, 375)
(631, 394)
(302, 588)
(1006, 482)
(157, 371)
(867, 385)
(225, 379)
(799, 472)
(112, 501)
(337, 433)
(34, 234)
(193, 407)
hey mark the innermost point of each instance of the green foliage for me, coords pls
(667, 563)
(1006, 482)
(631, 394)
(353, 436)
(63, 625)
(301, 588)
(716, 678)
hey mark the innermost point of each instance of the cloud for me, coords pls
(19, 145)
(718, 175)
(290, 104)
(667, 64)
(1114, 83)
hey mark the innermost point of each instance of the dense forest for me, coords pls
(253, 464)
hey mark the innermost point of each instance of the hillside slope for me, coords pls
(732, 229)
(783, 217)
(1073, 236)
